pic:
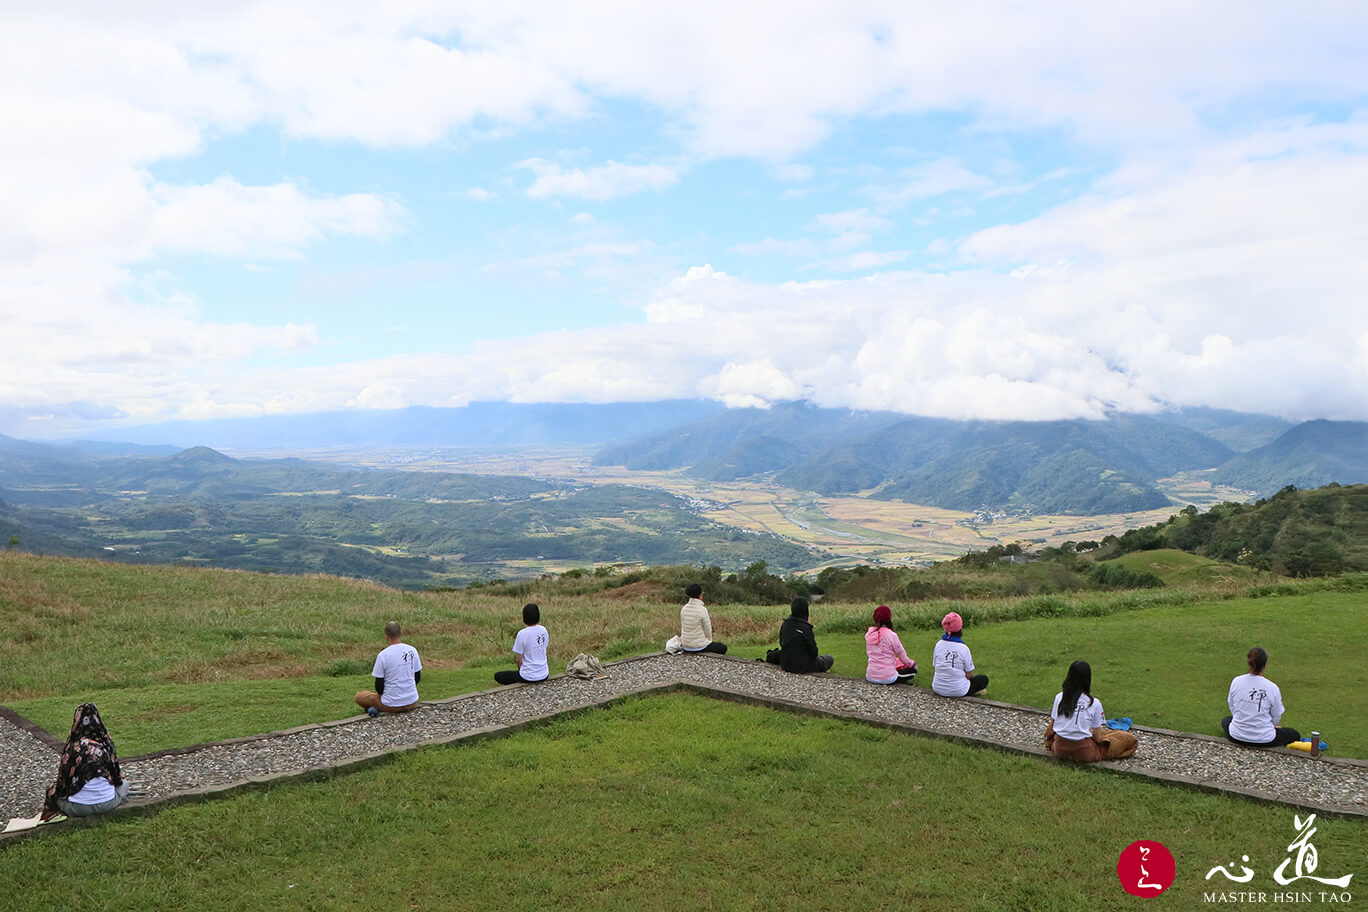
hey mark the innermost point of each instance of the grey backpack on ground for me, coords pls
(585, 666)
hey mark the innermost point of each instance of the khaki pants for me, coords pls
(368, 698)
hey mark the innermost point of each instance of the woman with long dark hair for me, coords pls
(89, 780)
(1076, 712)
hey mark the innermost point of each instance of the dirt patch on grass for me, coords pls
(642, 589)
(256, 664)
(746, 627)
(432, 628)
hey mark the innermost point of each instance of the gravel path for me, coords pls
(1283, 775)
(29, 765)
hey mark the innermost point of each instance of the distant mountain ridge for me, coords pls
(476, 424)
(743, 442)
(1081, 467)
(1076, 466)
(1317, 532)
(1309, 455)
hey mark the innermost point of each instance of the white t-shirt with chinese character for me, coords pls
(531, 643)
(1085, 718)
(396, 664)
(1256, 708)
(951, 660)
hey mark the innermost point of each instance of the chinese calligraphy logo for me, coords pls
(1145, 868)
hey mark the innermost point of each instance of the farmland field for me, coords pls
(844, 529)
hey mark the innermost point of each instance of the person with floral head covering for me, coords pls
(88, 777)
(953, 664)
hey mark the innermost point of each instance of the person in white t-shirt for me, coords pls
(397, 672)
(1076, 712)
(954, 666)
(695, 627)
(529, 651)
(1256, 707)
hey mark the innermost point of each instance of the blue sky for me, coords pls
(987, 212)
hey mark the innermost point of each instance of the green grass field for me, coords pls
(1171, 666)
(670, 802)
(175, 656)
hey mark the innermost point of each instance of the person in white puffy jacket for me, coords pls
(695, 627)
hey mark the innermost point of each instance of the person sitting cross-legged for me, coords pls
(89, 780)
(953, 664)
(797, 645)
(695, 627)
(888, 661)
(397, 672)
(1256, 707)
(529, 651)
(1074, 715)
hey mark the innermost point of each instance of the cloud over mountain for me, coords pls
(991, 211)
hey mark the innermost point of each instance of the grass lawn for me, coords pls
(1171, 666)
(671, 802)
(175, 656)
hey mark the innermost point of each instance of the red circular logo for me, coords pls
(1145, 868)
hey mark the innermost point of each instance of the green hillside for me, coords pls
(743, 442)
(1294, 533)
(1309, 455)
(1077, 467)
(1179, 568)
(1063, 467)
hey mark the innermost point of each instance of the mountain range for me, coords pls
(476, 424)
(1078, 467)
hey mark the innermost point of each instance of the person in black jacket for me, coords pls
(797, 645)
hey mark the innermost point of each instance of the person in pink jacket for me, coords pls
(888, 661)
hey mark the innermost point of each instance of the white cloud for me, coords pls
(1233, 281)
(479, 195)
(866, 259)
(934, 178)
(601, 183)
(570, 257)
(800, 247)
(794, 172)
(1202, 271)
(846, 230)
(225, 218)
(741, 79)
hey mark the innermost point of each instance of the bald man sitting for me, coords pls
(397, 672)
